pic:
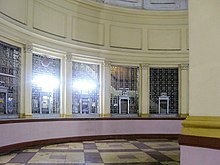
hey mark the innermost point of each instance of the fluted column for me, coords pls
(144, 90)
(68, 78)
(184, 99)
(28, 83)
(106, 93)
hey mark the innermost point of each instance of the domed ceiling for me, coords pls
(149, 4)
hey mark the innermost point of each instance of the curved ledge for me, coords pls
(85, 119)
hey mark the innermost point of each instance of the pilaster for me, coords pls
(184, 109)
(144, 92)
(68, 78)
(105, 112)
(28, 83)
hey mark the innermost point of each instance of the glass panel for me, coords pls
(10, 67)
(164, 90)
(124, 90)
(45, 85)
(85, 92)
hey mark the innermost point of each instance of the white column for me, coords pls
(144, 90)
(28, 83)
(184, 99)
(106, 84)
(68, 78)
(63, 87)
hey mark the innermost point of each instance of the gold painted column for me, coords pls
(28, 84)
(106, 93)
(68, 78)
(144, 90)
(184, 90)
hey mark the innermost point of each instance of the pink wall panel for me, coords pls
(199, 156)
(22, 132)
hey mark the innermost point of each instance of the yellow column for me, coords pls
(28, 83)
(203, 121)
(68, 78)
(144, 90)
(184, 111)
(106, 93)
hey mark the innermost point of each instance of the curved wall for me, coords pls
(98, 30)
(92, 32)
(18, 132)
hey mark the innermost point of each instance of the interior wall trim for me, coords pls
(199, 141)
(20, 146)
(205, 126)
(83, 119)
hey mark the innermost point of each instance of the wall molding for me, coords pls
(202, 126)
(106, 117)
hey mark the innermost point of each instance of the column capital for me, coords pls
(144, 66)
(68, 57)
(28, 48)
(107, 64)
(184, 66)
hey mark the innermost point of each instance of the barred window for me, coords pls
(10, 72)
(124, 90)
(164, 86)
(45, 85)
(86, 88)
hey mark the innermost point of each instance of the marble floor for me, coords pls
(99, 152)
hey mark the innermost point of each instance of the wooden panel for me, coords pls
(15, 9)
(125, 37)
(164, 39)
(199, 141)
(49, 20)
(87, 31)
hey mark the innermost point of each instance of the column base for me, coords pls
(66, 115)
(183, 115)
(105, 115)
(144, 115)
(26, 116)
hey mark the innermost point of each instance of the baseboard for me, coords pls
(199, 141)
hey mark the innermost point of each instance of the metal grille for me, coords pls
(124, 90)
(10, 67)
(45, 85)
(86, 87)
(164, 81)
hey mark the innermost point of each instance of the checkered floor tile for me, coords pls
(100, 152)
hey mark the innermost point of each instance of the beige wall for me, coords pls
(204, 39)
(139, 35)
(93, 32)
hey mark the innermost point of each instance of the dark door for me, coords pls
(124, 106)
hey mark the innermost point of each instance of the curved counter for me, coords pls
(17, 134)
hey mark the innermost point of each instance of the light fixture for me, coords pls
(84, 85)
(46, 82)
